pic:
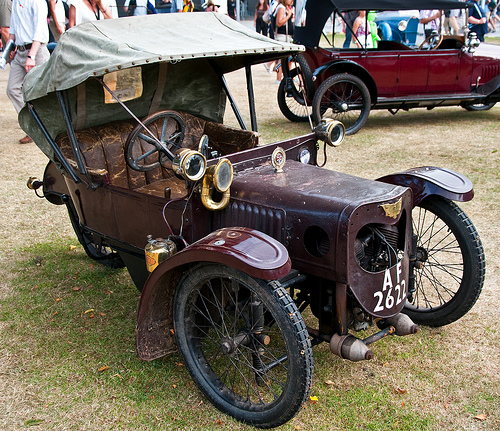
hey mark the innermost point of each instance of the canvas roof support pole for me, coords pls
(251, 98)
(53, 145)
(223, 81)
(72, 139)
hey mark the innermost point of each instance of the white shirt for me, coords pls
(60, 13)
(83, 13)
(434, 24)
(177, 5)
(141, 8)
(28, 21)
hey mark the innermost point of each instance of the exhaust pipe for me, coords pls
(403, 324)
(350, 347)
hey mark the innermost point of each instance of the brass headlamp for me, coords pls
(189, 164)
(330, 131)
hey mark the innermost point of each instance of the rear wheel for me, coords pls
(478, 106)
(244, 343)
(450, 266)
(297, 82)
(345, 98)
(291, 98)
(99, 252)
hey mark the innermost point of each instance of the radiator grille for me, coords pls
(269, 220)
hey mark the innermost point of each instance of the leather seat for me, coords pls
(103, 151)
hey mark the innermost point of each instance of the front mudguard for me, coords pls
(247, 250)
(428, 180)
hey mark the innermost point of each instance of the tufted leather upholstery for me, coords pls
(103, 150)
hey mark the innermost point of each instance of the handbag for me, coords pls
(266, 17)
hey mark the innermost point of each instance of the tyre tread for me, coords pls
(467, 295)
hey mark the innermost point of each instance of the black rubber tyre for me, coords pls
(291, 91)
(306, 75)
(291, 102)
(453, 264)
(345, 98)
(244, 343)
(101, 253)
(478, 106)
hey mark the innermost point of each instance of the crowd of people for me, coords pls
(481, 20)
(32, 23)
(275, 20)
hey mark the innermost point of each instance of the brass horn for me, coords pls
(221, 177)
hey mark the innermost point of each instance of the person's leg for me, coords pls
(348, 38)
(15, 82)
(14, 85)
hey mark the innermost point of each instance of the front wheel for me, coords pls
(244, 343)
(478, 106)
(345, 98)
(449, 268)
(295, 83)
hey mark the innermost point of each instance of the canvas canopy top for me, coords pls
(179, 58)
(95, 48)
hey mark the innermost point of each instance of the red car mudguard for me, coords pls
(248, 250)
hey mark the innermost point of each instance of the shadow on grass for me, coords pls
(69, 326)
(453, 116)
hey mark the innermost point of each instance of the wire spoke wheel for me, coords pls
(296, 82)
(291, 99)
(449, 268)
(99, 252)
(344, 98)
(244, 344)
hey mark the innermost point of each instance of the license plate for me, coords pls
(393, 291)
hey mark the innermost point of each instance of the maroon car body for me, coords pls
(346, 83)
(228, 240)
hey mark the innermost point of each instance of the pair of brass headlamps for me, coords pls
(192, 166)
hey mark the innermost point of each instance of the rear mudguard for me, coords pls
(348, 66)
(54, 186)
(247, 250)
(428, 180)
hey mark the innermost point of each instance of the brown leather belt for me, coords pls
(22, 48)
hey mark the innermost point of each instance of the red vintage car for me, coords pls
(347, 83)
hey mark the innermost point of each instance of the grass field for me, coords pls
(67, 324)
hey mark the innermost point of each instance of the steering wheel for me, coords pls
(432, 42)
(148, 147)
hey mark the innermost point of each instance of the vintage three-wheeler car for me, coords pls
(345, 84)
(228, 240)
